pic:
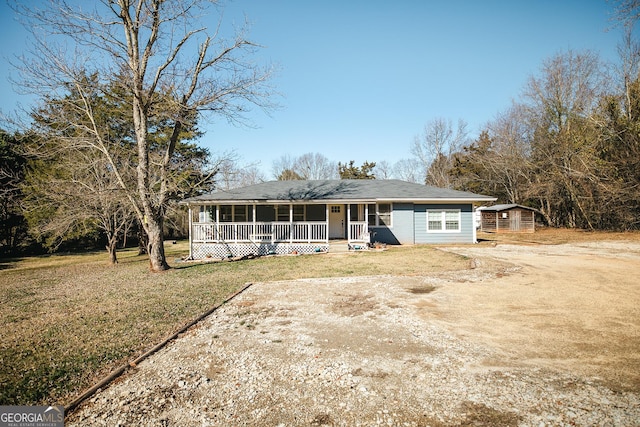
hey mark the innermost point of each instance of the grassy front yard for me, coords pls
(68, 320)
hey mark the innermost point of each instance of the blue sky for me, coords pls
(360, 79)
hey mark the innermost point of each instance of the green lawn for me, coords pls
(68, 320)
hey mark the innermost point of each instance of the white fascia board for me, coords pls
(461, 200)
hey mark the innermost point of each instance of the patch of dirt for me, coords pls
(354, 305)
(477, 414)
(528, 334)
(422, 289)
(574, 307)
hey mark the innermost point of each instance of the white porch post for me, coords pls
(190, 233)
(216, 226)
(473, 225)
(366, 221)
(327, 221)
(366, 215)
(348, 222)
(235, 224)
(290, 223)
(366, 218)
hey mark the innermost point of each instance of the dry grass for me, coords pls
(68, 320)
(555, 236)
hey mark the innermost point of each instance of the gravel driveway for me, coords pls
(528, 335)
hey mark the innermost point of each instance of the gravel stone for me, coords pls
(345, 352)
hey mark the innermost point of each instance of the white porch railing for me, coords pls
(358, 232)
(210, 232)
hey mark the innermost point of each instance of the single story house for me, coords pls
(508, 218)
(280, 217)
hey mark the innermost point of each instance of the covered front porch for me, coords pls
(224, 231)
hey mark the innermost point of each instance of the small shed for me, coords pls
(509, 218)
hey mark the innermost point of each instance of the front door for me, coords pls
(337, 217)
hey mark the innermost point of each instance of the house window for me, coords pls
(371, 215)
(447, 221)
(379, 215)
(335, 209)
(384, 214)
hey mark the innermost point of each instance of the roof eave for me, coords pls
(339, 201)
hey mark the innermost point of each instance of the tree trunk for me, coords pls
(143, 241)
(155, 245)
(111, 248)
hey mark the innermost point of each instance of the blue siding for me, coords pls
(466, 230)
(403, 218)
(401, 230)
(383, 235)
(409, 225)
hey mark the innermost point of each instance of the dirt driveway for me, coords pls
(573, 307)
(528, 335)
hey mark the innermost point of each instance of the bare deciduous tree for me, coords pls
(232, 174)
(280, 165)
(509, 164)
(561, 104)
(627, 12)
(306, 166)
(383, 170)
(315, 166)
(409, 170)
(157, 51)
(64, 201)
(434, 149)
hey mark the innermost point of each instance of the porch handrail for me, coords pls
(241, 232)
(359, 232)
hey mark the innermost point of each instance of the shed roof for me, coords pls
(506, 207)
(345, 190)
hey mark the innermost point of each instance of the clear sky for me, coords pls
(360, 78)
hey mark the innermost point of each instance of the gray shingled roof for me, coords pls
(362, 190)
(504, 207)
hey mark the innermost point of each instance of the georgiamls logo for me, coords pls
(57, 410)
(31, 416)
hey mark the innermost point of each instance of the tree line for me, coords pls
(569, 147)
(112, 145)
